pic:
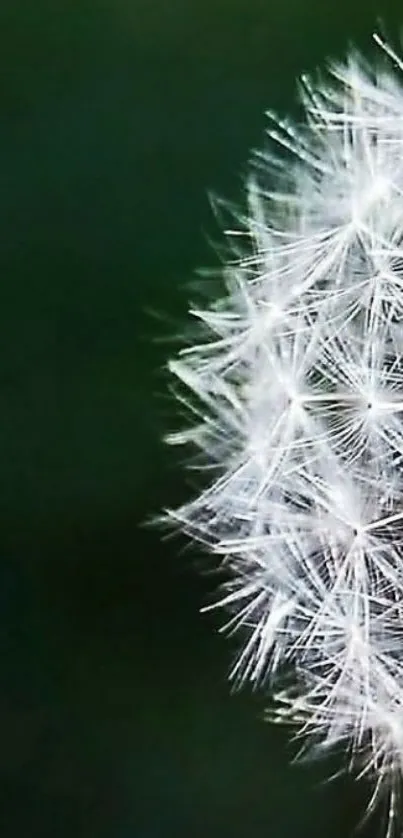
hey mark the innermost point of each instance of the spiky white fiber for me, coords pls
(296, 384)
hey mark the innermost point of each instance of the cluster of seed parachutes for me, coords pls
(295, 390)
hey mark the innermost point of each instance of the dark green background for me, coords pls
(116, 118)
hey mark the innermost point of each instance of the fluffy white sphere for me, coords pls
(295, 389)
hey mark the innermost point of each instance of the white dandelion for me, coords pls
(295, 392)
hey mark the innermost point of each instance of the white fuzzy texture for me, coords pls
(297, 389)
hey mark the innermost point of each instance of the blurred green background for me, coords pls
(117, 117)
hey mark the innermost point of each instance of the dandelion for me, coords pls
(295, 391)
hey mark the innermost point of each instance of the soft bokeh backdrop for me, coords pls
(117, 117)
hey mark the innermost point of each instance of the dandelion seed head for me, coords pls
(294, 387)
